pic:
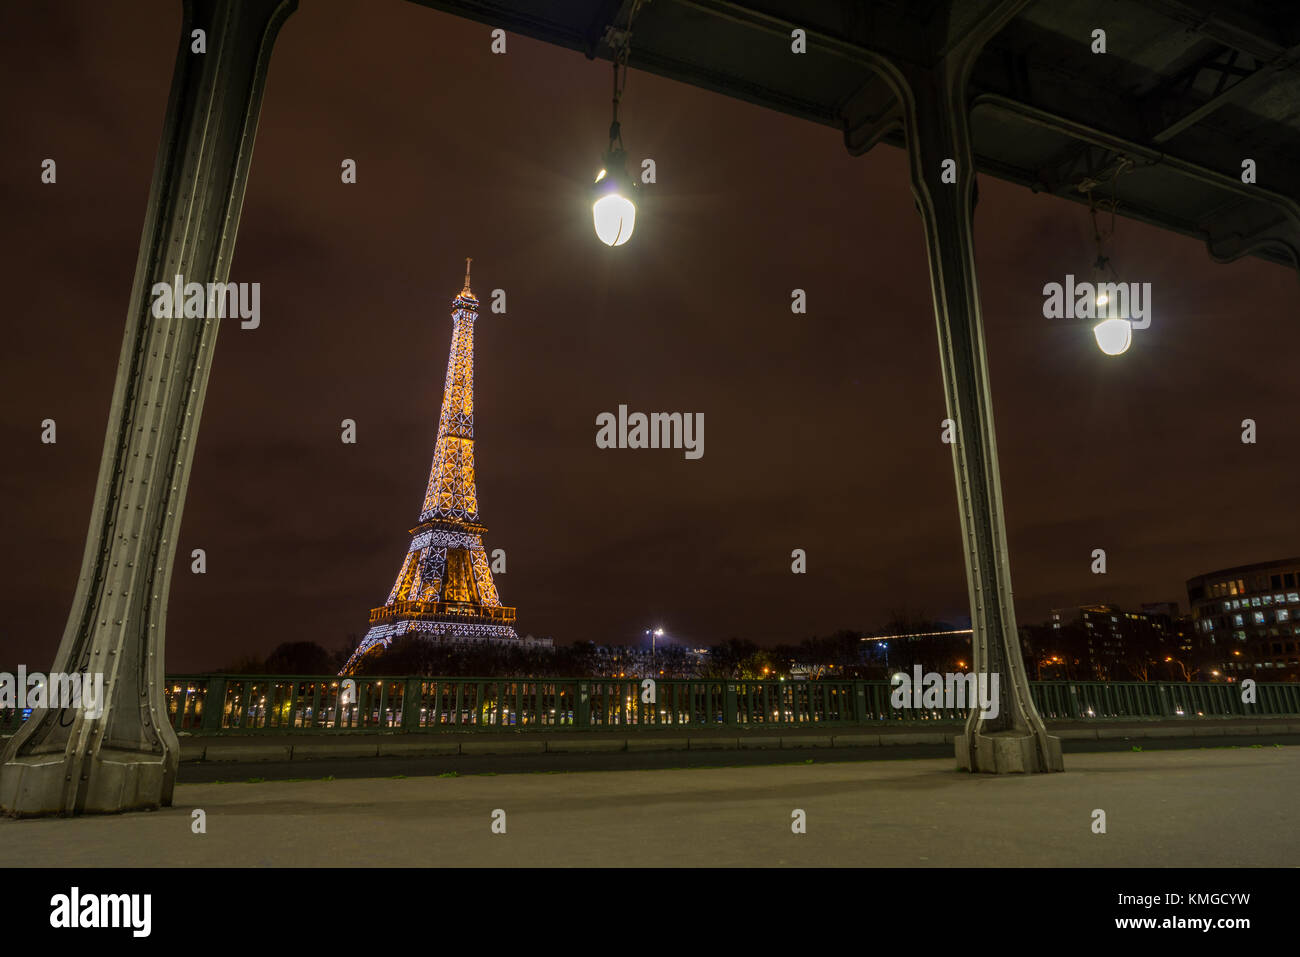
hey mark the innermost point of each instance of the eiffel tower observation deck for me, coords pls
(444, 590)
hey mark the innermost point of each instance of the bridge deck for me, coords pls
(1216, 807)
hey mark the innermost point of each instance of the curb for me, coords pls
(242, 749)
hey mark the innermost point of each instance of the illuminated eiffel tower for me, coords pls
(444, 590)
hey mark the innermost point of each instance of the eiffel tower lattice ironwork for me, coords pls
(444, 590)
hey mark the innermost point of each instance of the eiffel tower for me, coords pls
(444, 590)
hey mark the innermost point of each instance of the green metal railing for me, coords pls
(494, 704)
(276, 703)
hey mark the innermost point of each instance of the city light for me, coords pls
(919, 634)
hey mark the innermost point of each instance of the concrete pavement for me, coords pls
(1215, 807)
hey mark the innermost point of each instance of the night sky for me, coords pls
(821, 430)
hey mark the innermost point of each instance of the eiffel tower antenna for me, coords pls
(444, 589)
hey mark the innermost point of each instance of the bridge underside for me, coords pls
(1183, 86)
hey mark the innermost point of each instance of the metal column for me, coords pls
(63, 761)
(935, 115)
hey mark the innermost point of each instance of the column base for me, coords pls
(35, 785)
(1009, 752)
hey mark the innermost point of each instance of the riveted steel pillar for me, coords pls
(926, 67)
(936, 123)
(68, 761)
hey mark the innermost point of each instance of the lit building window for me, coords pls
(1236, 620)
(1259, 618)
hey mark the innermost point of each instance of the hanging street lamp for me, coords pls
(613, 210)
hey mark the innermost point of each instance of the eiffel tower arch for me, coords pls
(444, 589)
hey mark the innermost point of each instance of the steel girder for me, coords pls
(64, 761)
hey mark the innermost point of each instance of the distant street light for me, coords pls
(657, 633)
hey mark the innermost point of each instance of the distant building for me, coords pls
(625, 661)
(814, 671)
(1169, 609)
(1118, 645)
(1249, 613)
